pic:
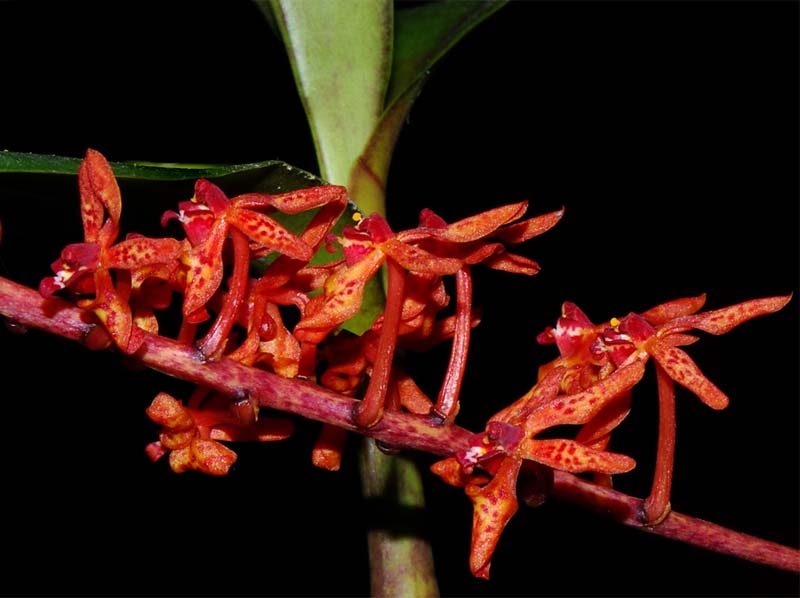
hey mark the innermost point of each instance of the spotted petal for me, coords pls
(493, 507)
(282, 351)
(519, 232)
(570, 456)
(293, 202)
(418, 260)
(513, 263)
(680, 367)
(114, 312)
(543, 392)
(451, 472)
(141, 251)
(480, 225)
(343, 293)
(596, 432)
(580, 407)
(720, 321)
(267, 232)
(661, 314)
(99, 190)
(205, 270)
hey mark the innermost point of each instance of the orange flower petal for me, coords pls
(544, 391)
(520, 232)
(680, 367)
(293, 202)
(720, 321)
(146, 320)
(678, 339)
(282, 351)
(112, 311)
(570, 456)
(451, 472)
(580, 407)
(141, 251)
(493, 507)
(597, 430)
(98, 189)
(343, 293)
(661, 314)
(479, 226)
(418, 260)
(510, 262)
(205, 270)
(267, 232)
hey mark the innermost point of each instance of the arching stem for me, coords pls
(369, 411)
(656, 506)
(446, 406)
(211, 345)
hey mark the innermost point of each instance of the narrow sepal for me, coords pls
(680, 367)
(573, 457)
(493, 507)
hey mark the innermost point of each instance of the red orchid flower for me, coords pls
(658, 334)
(86, 268)
(287, 281)
(596, 351)
(349, 359)
(510, 439)
(209, 219)
(432, 249)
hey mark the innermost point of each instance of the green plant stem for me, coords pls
(26, 308)
(401, 560)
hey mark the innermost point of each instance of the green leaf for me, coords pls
(340, 54)
(422, 36)
(272, 174)
(48, 176)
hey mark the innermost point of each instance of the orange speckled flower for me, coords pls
(594, 352)
(85, 268)
(510, 439)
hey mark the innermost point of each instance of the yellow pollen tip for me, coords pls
(357, 216)
(614, 322)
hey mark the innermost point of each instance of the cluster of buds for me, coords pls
(288, 320)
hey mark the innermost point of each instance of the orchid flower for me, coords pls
(208, 220)
(595, 352)
(510, 439)
(433, 249)
(86, 268)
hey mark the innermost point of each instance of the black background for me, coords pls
(668, 130)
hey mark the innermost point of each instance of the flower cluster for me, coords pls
(288, 320)
(589, 385)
